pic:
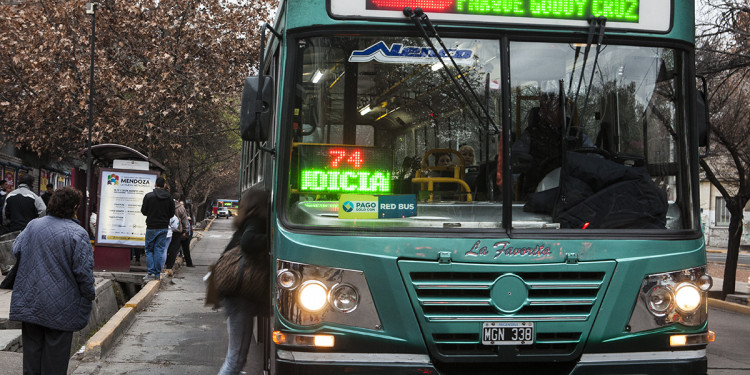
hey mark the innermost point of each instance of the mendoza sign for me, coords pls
(119, 219)
(352, 206)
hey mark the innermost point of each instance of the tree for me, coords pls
(723, 56)
(168, 74)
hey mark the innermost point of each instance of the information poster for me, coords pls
(121, 192)
(9, 175)
(43, 179)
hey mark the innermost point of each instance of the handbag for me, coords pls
(10, 278)
(234, 276)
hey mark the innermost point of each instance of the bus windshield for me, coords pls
(386, 135)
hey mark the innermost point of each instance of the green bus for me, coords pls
(474, 186)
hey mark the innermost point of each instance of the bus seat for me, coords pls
(429, 176)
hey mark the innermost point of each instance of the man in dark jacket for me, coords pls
(22, 205)
(48, 193)
(158, 207)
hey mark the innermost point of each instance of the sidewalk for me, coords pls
(169, 332)
(175, 333)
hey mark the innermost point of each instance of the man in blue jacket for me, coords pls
(158, 206)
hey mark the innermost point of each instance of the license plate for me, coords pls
(521, 333)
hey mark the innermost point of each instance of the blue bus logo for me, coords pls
(398, 54)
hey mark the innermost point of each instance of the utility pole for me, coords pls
(90, 9)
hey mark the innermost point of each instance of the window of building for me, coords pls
(721, 212)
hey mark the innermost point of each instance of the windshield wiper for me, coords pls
(601, 23)
(596, 26)
(418, 16)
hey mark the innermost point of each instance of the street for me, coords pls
(720, 257)
(728, 354)
(176, 334)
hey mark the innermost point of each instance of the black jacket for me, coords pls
(158, 206)
(605, 195)
(252, 239)
(22, 206)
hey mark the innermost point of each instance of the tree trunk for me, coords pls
(733, 251)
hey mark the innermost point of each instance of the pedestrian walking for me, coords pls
(174, 245)
(251, 235)
(54, 286)
(22, 205)
(158, 207)
(187, 235)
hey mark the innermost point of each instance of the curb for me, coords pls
(209, 225)
(730, 306)
(144, 296)
(106, 337)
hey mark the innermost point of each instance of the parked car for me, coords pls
(223, 212)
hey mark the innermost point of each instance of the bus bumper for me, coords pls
(312, 363)
(662, 363)
(667, 362)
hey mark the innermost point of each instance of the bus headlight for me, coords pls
(687, 297)
(344, 298)
(309, 294)
(672, 297)
(312, 296)
(659, 300)
(287, 279)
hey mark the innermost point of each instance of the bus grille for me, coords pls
(453, 301)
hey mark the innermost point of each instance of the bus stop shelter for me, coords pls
(111, 157)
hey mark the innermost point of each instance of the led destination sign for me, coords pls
(343, 169)
(614, 10)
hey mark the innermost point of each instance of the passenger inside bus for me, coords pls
(468, 154)
(443, 160)
(470, 168)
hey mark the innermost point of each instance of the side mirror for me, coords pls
(257, 109)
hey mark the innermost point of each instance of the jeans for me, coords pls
(240, 313)
(156, 242)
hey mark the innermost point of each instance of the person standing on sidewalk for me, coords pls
(22, 205)
(48, 193)
(187, 234)
(166, 267)
(178, 234)
(54, 286)
(158, 207)
(251, 235)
